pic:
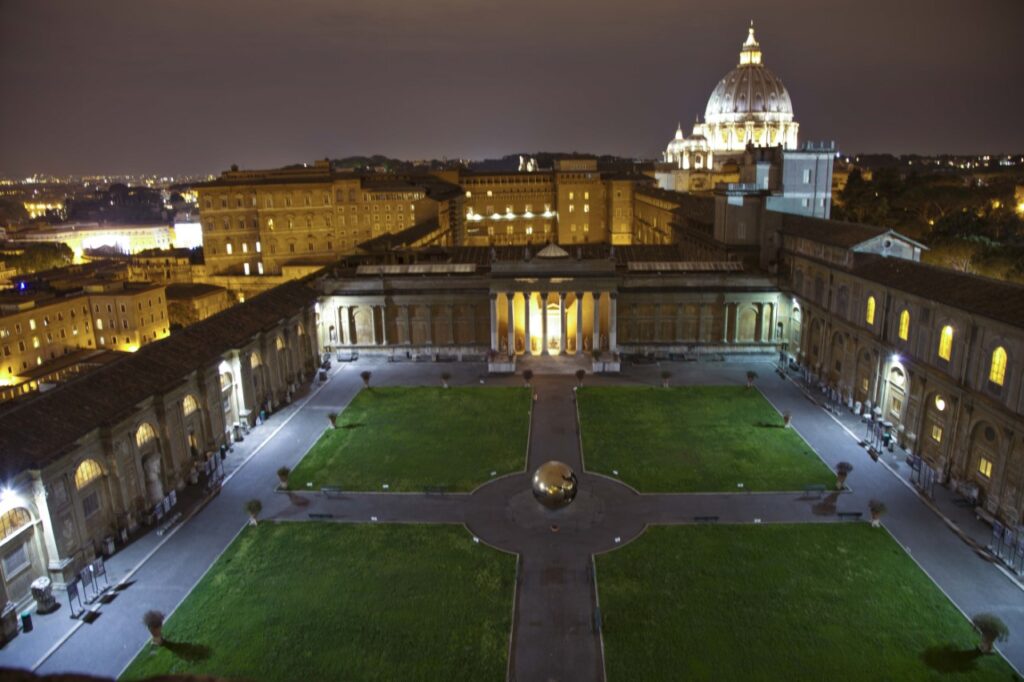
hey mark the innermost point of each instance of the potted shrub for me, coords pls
(751, 377)
(365, 375)
(665, 376)
(253, 507)
(445, 376)
(787, 417)
(154, 622)
(580, 373)
(843, 470)
(992, 629)
(527, 376)
(333, 418)
(282, 476)
(877, 508)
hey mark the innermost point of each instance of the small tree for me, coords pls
(154, 622)
(527, 376)
(365, 375)
(254, 507)
(843, 470)
(580, 373)
(445, 376)
(877, 509)
(992, 630)
(282, 476)
(665, 376)
(751, 378)
(787, 417)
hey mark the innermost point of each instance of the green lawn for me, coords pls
(313, 601)
(409, 438)
(694, 439)
(799, 602)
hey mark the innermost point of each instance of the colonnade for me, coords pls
(514, 323)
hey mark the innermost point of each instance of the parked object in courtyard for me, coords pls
(877, 508)
(365, 375)
(253, 507)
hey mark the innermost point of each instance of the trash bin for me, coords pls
(26, 621)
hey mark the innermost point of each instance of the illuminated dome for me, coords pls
(677, 143)
(749, 105)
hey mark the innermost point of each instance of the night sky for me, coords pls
(194, 86)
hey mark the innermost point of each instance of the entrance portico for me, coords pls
(555, 321)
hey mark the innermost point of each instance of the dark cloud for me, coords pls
(195, 85)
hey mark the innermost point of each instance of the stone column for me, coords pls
(612, 322)
(579, 322)
(725, 323)
(544, 322)
(511, 297)
(373, 325)
(527, 296)
(407, 324)
(343, 325)
(561, 322)
(494, 322)
(430, 325)
(383, 324)
(596, 331)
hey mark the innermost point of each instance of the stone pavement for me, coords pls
(554, 635)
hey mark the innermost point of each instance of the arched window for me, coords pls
(12, 521)
(189, 405)
(144, 434)
(87, 472)
(255, 360)
(946, 342)
(279, 343)
(869, 313)
(225, 381)
(905, 325)
(997, 370)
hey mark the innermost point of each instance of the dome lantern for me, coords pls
(751, 51)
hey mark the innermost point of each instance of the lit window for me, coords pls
(32, 324)
(571, 196)
(87, 472)
(869, 315)
(228, 248)
(946, 342)
(12, 521)
(936, 433)
(245, 247)
(586, 208)
(189, 405)
(985, 467)
(245, 268)
(144, 434)
(259, 267)
(259, 248)
(940, 403)
(905, 325)
(997, 370)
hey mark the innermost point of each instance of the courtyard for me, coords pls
(321, 601)
(777, 602)
(418, 598)
(410, 438)
(694, 439)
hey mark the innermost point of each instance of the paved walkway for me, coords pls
(554, 637)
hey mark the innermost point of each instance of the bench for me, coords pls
(817, 489)
(330, 490)
(320, 515)
(435, 489)
(849, 516)
(705, 519)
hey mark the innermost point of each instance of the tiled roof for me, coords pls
(39, 429)
(831, 232)
(995, 299)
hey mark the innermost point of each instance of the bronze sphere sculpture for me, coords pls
(554, 484)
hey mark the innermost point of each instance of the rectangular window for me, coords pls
(807, 175)
(985, 467)
(16, 561)
(936, 433)
(91, 504)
